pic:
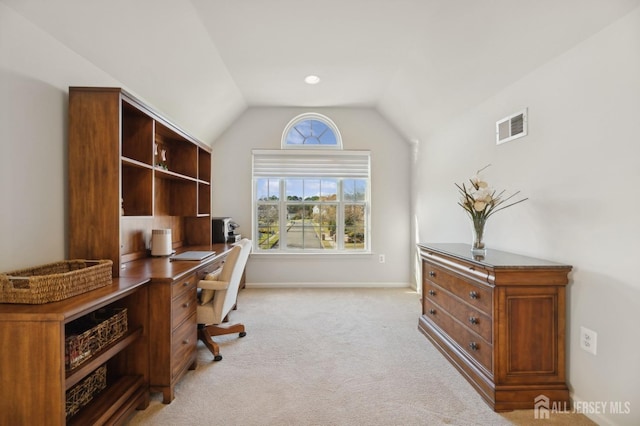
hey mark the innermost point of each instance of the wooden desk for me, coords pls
(160, 346)
(172, 313)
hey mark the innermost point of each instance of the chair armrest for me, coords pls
(213, 275)
(213, 285)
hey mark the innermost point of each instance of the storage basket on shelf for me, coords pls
(54, 281)
(89, 334)
(82, 393)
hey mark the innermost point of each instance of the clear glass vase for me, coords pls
(477, 233)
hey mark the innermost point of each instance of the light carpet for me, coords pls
(329, 357)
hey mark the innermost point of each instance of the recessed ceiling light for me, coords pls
(312, 79)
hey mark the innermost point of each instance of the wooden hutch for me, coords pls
(130, 171)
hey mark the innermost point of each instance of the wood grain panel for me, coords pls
(531, 321)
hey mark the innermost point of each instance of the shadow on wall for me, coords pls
(33, 171)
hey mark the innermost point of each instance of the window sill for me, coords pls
(292, 255)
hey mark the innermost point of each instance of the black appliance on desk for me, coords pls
(223, 230)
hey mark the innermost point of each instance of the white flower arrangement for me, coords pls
(480, 201)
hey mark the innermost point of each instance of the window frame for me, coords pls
(311, 116)
(282, 203)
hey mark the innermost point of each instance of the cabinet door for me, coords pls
(531, 335)
(33, 380)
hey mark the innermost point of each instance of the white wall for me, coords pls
(580, 168)
(35, 72)
(159, 50)
(261, 128)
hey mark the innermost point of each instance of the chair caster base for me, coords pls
(217, 358)
(243, 333)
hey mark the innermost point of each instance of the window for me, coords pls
(311, 200)
(311, 131)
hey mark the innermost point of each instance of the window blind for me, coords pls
(311, 163)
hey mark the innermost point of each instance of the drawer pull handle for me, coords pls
(473, 320)
(432, 292)
(186, 341)
(432, 311)
(185, 284)
(474, 346)
(432, 273)
(186, 304)
(474, 295)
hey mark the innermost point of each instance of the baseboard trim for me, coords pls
(330, 285)
(598, 418)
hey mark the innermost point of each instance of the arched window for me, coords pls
(311, 195)
(311, 130)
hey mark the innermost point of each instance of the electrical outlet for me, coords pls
(381, 258)
(588, 340)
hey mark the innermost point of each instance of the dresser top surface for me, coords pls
(495, 259)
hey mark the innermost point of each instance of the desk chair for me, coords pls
(218, 295)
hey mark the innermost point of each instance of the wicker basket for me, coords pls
(89, 334)
(54, 281)
(82, 393)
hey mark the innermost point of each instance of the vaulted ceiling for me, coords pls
(419, 62)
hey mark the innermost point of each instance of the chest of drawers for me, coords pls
(173, 334)
(173, 327)
(499, 320)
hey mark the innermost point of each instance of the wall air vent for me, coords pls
(511, 127)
